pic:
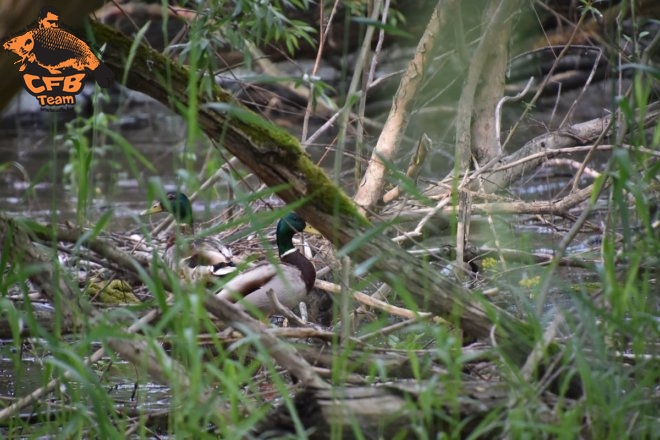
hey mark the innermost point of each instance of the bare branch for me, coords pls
(397, 121)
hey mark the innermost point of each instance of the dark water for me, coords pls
(36, 153)
(118, 378)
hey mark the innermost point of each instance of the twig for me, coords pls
(578, 174)
(285, 311)
(498, 111)
(304, 314)
(537, 258)
(541, 207)
(317, 62)
(431, 213)
(389, 329)
(282, 353)
(558, 207)
(573, 164)
(462, 227)
(414, 167)
(489, 217)
(326, 126)
(590, 78)
(375, 303)
(380, 294)
(344, 302)
(302, 332)
(544, 82)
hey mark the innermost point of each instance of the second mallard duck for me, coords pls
(291, 279)
(194, 259)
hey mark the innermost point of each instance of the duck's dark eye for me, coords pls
(28, 41)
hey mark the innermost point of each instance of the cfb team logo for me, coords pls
(54, 62)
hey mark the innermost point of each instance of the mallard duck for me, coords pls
(290, 279)
(194, 259)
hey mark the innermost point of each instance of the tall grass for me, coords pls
(610, 339)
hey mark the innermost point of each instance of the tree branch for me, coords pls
(390, 138)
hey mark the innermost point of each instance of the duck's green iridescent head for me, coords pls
(177, 204)
(287, 227)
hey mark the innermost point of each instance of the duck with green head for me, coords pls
(194, 259)
(290, 279)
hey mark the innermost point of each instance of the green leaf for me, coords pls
(642, 68)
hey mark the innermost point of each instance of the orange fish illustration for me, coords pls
(54, 49)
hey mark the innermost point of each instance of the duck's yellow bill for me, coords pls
(155, 208)
(311, 230)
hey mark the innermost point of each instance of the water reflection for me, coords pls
(35, 157)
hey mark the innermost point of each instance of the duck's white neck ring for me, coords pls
(289, 252)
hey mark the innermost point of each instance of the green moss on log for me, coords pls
(328, 198)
